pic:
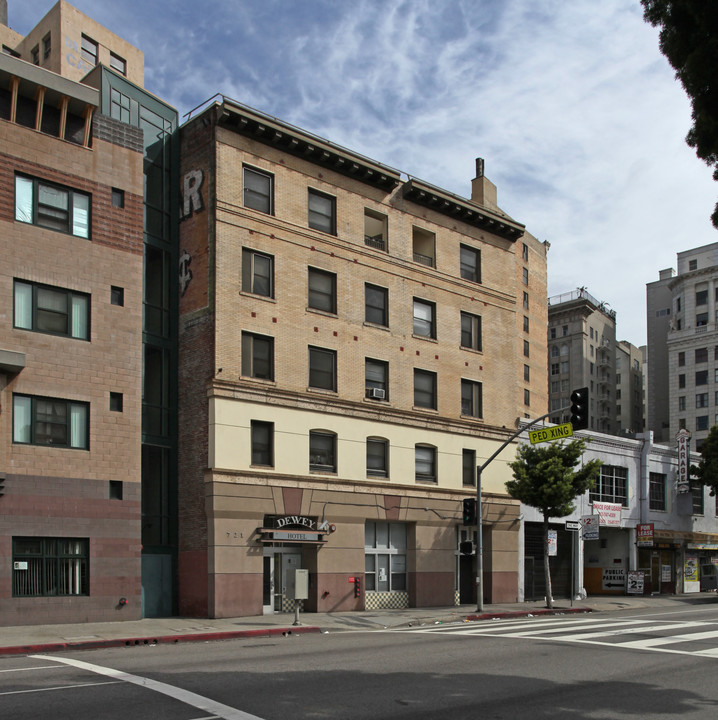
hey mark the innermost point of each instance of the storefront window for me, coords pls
(385, 556)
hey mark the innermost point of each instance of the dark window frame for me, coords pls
(262, 443)
(471, 337)
(470, 270)
(322, 447)
(657, 491)
(376, 377)
(421, 327)
(253, 277)
(612, 485)
(376, 314)
(468, 467)
(89, 49)
(320, 220)
(377, 457)
(316, 373)
(37, 312)
(318, 297)
(251, 196)
(257, 352)
(429, 459)
(53, 569)
(430, 392)
(471, 398)
(59, 414)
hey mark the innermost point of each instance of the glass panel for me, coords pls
(23, 199)
(398, 536)
(80, 317)
(423, 319)
(81, 215)
(375, 299)
(382, 535)
(50, 422)
(22, 409)
(262, 284)
(23, 306)
(257, 191)
(370, 535)
(53, 207)
(78, 426)
(321, 213)
(51, 311)
(382, 584)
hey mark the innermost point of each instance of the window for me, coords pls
(115, 490)
(555, 352)
(701, 297)
(45, 566)
(257, 273)
(525, 252)
(35, 54)
(50, 421)
(697, 493)
(118, 198)
(119, 106)
(564, 367)
(322, 212)
(322, 290)
(701, 319)
(424, 318)
(88, 50)
(377, 457)
(51, 310)
(46, 46)
(552, 333)
(470, 263)
(117, 296)
(702, 377)
(564, 328)
(52, 206)
(681, 359)
(376, 379)
(423, 246)
(681, 403)
(376, 305)
(262, 443)
(425, 389)
(692, 265)
(385, 557)
(555, 368)
(681, 381)
(425, 463)
(526, 348)
(471, 400)
(118, 63)
(116, 401)
(322, 451)
(468, 468)
(470, 331)
(701, 355)
(702, 422)
(526, 324)
(322, 368)
(701, 400)
(375, 229)
(612, 485)
(525, 276)
(258, 190)
(657, 491)
(527, 373)
(527, 396)
(526, 301)
(257, 356)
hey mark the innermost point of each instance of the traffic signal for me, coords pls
(579, 408)
(466, 547)
(469, 514)
(357, 586)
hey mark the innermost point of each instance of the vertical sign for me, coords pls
(590, 526)
(683, 438)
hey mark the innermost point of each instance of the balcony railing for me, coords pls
(424, 259)
(377, 241)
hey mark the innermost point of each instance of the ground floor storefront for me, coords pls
(363, 548)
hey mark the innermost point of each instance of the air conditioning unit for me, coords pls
(375, 393)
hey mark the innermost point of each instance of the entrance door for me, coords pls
(268, 585)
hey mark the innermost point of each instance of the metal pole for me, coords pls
(479, 544)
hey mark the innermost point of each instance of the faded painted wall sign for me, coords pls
(191, 195)
(185, 274)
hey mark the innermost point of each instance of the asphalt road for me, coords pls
(644, 664)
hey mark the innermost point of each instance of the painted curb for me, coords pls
(154, 640)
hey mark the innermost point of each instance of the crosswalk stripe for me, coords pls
(626, 631)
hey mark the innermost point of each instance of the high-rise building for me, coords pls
(683, 346)
(353, 344)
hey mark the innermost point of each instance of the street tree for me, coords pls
(706, 471)
(689, 40)
(546, 478)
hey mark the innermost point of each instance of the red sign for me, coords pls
(644, 535)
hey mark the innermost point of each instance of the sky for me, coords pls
(577, 114)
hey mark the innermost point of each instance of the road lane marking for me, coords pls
(27, 669)
(189, 698)
(59, 687)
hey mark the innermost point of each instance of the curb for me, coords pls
(154, 640)
(527, 613)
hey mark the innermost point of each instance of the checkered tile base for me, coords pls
(396, 600)
(288, 604)
(457, 598)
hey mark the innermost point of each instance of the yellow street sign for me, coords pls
(557, 432)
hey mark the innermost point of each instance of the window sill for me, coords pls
(424, 337)
(321, 391)
(325, 313)
(319, 471)
(426, 481)
(249, 378)
(471, 350)
(475, 418)
(385, 328)
(425, 409)
(256, 296)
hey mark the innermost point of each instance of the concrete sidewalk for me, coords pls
(26, 639)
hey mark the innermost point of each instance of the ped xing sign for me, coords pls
(557, 432)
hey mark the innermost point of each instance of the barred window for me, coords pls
(50, 566)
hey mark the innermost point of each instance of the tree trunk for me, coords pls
(546, 566)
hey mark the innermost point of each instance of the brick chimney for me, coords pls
(483, 191)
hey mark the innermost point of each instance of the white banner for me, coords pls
(610, 513)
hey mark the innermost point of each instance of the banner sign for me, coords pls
(610, 513)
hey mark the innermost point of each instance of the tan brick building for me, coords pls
(352, 344)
